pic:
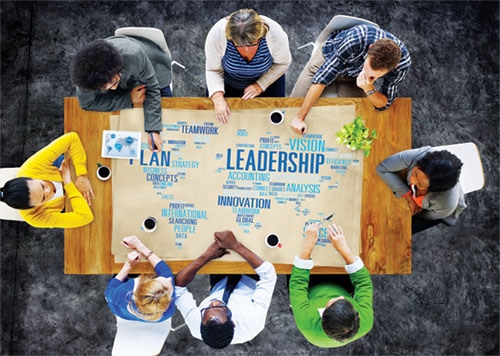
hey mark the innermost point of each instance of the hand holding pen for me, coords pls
(154, 141)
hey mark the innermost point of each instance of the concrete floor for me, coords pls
(448, 305)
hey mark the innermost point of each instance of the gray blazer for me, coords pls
(143, 63)
(436, 205)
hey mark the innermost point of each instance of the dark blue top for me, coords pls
(118, 295)
(239, 73)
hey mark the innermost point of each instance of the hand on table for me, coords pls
(83, 185)
(157, 141)
(138, 94)
(252, 91)
(221, 108)
(299, 126)
(213, 251)
(131, 242)
(309, 241)
(133, 258)
(226, 239)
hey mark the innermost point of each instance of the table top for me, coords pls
(385, 220)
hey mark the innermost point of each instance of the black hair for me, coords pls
(16, 193)
(443, 169)
(95, 65)
(340, 321)
(217, 335)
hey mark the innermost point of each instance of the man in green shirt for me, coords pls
(326, 313)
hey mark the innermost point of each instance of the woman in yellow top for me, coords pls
(40, 187)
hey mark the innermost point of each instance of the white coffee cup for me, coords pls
(276, 117)
(103, 172)
(149, 224)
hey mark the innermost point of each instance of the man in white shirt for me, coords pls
(243, 316)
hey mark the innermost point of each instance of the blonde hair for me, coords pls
(245, 27)
(151, 298)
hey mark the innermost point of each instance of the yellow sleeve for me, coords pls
(44, 158)
(51, 217)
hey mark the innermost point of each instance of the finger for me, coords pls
(92, 193)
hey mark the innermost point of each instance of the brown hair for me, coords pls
(384, 54)
(151, 298)
(245, 27)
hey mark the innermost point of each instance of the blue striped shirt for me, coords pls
(239, 73)
(345, 53)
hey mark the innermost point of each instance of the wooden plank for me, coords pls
(386, 222)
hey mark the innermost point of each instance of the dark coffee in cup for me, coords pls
(103, 173)
(272, 240)
(149, 224)
(276, 117)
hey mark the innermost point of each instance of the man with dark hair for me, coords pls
(428, 180)
(329, 310)
(120, 71)
(352, 60)
(236, 309)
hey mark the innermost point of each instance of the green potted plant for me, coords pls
(356, 136)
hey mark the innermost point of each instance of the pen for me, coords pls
(152, 141)
(327, 219)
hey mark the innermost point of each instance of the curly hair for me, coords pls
(16, 193)
(217, 335)
(443, 169)
(95, 65)
(245, 27)
(384, 54)
(340, 321)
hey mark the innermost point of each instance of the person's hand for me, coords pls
(309, 241)
(226, 239)
(157, 141)
(299, 126)
(83, 185)
(414, 208)
(365, 82)
(131, 242)
(214, 251)
(337, 238)
(138, 94)
(251, 91)
(133, 258)
(65, 171)
(221, 108)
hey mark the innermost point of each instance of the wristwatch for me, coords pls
(370, 92)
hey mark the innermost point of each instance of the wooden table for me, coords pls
(385, 220)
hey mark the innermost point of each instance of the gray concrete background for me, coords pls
(448, 305)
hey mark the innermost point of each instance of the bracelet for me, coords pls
(149, 254)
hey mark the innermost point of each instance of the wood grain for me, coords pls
(386, 221)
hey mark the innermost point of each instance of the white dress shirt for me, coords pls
(248, 303)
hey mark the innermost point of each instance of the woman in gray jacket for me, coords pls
(431, 187)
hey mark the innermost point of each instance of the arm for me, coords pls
(215, 47)
(277, 41)
(133, 242)
(132, 259)
(187, 274)
(227, 240)
(337, 238)
(363, 295)
(111, 100)
(47, 216)
(298, 123)
(392, 81)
